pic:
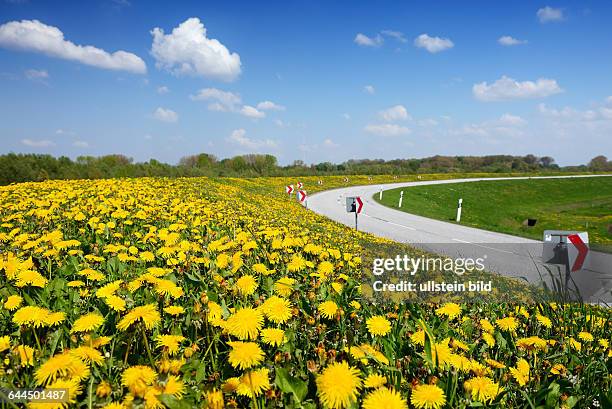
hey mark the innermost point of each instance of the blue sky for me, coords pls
(317, 81)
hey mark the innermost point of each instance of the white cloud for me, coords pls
(514, 120)
(428, 122)
(163, 90)
(369, 89)
(549, 14)
(187, 51)
(270, 106)
(222, 100)
(398, 35)
(346, 116)
(574, 115)
(80, 144)
(238, 136)
(36, 74)
(32, 35)
(433, 44)
(328, 143)
(509, 40)
(364, 40)
(395, 113)
(609, 99)
(507, 88)
(387, 129)
(41, 143)
(165, 115)
(252, 112)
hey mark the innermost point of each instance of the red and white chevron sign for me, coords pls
(301, 196)
(578, 256)
(359, 204)
(300, 185)
(289, 189)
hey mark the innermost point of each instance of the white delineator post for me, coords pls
(401, 199)
(459, 210)
(380, 195)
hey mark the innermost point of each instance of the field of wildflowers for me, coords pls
(215, 293)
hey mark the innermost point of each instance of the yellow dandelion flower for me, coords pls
(147, 313)
(30, 277)
(230, 385)
(374, 381)
(482, 389)
(138, 378)
(5, 343)
(273, 336)
(72, 387)
(328, 309)
(338, 385)
(25, 354)
(31, 316)
(64, 365)
(487, 326)
(507, 324)
(451, 310)
(297, 263)
(245, 323)
(378, 325)
(88, 322)
(13, 302)
(75, 284)
(115, 302)
(214, 399)
(284, 286)
(544, 321)
(253, 383)
(384, 398)
(170, 342)
(494, 364)
(558, 369)
(521, 372)
(586, 336)
(277, 310)
(427, 397)
(174, 386)
(245, 355)
(88, 354)
(174, 310)
(246, 284)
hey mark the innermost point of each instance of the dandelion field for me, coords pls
(182, 293)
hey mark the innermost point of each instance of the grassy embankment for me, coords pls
(583, 204)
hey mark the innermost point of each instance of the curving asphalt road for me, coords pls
(505, 254)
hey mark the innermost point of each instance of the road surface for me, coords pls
(505, 254)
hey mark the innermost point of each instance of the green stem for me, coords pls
(146, 342)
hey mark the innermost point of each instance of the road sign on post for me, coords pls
(401, 199)
(289, 189)
(300, 185)
(354, 204)
(569, 248)
(459, 210)
(301, 196)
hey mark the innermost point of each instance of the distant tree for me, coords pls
(599, 163)
(546, 161)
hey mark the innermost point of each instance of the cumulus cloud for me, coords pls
(509, 41)
(188, 51)
(80, 144)
(514, 120)
(433, 44)
(40, 143)
(369, 89)
(163, 90)
(398, 35)
(238, 137)
(365, 41)
(387, 129)
(32, 35)
(165, 115)
(548, 14)
(328, 143)
(270, 106)
(220, 100)
(395, 113)
(507, 88)
(252, 112)
(36, 74)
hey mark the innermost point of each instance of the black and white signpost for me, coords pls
(459, 210)
(354, 204)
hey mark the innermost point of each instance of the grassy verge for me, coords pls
(583, 204)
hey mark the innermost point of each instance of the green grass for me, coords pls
(583, 204)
